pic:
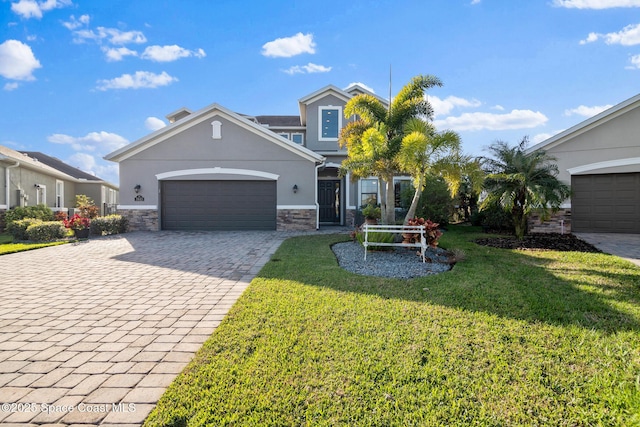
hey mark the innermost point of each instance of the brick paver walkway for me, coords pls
(93, 333)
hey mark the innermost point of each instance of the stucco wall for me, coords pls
(612, 140)
(313, 142)
(239, 148)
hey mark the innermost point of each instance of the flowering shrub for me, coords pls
(77, 222)
(60, 216)
(432, 233)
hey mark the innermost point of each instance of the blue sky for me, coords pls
(81, 78)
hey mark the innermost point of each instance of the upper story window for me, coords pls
(298, 138)
(330, 119)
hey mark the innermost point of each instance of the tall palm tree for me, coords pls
(374, 138)
(424, 150)
(521, 182)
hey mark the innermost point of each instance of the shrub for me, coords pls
(60, 216)
(435, 202)
(18, 228)
(41, 212)
(86, 206)
(46, 231)
(431, 231)
(494, 217)
(110, 224)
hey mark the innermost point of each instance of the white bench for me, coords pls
(395, 229)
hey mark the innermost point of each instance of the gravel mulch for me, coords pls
(401, 263)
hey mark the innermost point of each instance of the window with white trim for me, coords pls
(330, 123)
(284, 134)
(59, 194)
(368, 191)
(298, 138)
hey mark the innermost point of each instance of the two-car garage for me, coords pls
(218, 205)
(606, 203)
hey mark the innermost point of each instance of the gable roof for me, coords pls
(60, 165)
(279, 121)
(25, 161)
(198, 117)
(344, 95)
(595, 121)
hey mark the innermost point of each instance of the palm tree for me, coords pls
(424, 150)
(374, 138)
(521, 182)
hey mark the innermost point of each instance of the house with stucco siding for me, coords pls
(216, 169)
(600, 159)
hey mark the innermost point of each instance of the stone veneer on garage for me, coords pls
(559, 222)
(296, 219)
(141, 219)
(287, 220)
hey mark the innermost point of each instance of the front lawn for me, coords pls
(8, 247)
(507, 338)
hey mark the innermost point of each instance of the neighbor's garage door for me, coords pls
(218, 205)
(607, 203)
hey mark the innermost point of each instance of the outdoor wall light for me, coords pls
(295, 188)
(137, 188)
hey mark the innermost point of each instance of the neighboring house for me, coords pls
(600, 158)
(32, 178)
(215, 169)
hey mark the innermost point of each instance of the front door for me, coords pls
(329, 201)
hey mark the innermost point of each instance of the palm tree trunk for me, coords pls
(414, 202)
(387, 205)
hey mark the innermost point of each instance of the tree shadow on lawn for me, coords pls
(512, 284)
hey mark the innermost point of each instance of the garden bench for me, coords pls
(395, 229)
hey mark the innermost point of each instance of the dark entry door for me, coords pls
(329, 201)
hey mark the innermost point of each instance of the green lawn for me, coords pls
(507, 338)
(8, 247)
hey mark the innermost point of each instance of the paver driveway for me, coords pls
(93, 332)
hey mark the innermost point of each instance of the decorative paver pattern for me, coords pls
(92, 333)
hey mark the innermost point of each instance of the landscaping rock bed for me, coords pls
(401, 263)
(546, 241)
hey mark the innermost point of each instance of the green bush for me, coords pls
(40, 212)
(46, 231)
(110, 224)
(495, 218)
(435, 201)
(18, 228)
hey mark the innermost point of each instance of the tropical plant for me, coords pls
(374, 138)
(77, 222)
(423, 150)
(371, 212)
(521, 182)
(86, 206)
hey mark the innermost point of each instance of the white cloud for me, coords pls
(516, 119)
(11, 86)
(74, 23)
(287, 47)
(141, 79)
(111, 35)
(307, 69)
(595, 4)
(101, 142)
(117, 53)
(475, 1)
(498, 107)
(33, 9)
(628, 36)
(443, 107)
(585, 111)
(170, 53)
(17, 61)
(635, 62)
(154, 123)
(362, 85)
(87, 163)
(536, 139)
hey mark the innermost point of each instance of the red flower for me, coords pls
(77, 222)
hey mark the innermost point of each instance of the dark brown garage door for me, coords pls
(218, 205)
(607, 203)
